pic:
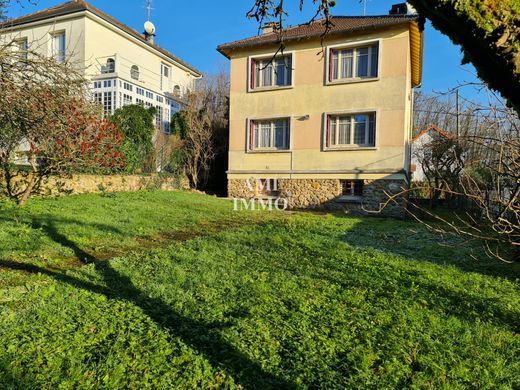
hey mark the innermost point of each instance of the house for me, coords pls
(419, 150)
(327, 120)
(123, 66)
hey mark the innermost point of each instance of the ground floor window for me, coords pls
(270, 134)
(352, 187)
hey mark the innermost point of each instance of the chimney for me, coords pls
(399, 9)
(270, 27)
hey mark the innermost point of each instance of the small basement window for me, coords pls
(352, 188)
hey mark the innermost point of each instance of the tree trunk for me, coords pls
(33, 178)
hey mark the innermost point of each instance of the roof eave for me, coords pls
(226, 49)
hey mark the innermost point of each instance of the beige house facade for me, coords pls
(327, 122)
(123, 65)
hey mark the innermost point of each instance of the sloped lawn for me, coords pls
(198, 296)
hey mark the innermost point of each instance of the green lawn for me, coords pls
(175, 290)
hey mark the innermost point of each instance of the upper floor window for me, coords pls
(109, 67)
(351, 130)
(128, 86)
(134, 72)
(271, 72)
(22, 46)
(165, 70)
(140, 91)
(353, 63)
(271, 134)
(59, 44)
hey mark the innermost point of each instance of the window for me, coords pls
(165, 71)
(107, 83)
(107, 103)
(158, 117)
(128, 87)
(269, 134)
(353, 63)
(351, 130)
(149, 95)
(140, 91)
(160, 99)
(97, 84)
(127, 100)
(22, 46)
(139, 102)
(110, 66)
(98, 98)
(352, 187)
(134, 72)
(58, 47)
(271, 73)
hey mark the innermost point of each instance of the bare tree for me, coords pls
(202, 127)
(480, 167)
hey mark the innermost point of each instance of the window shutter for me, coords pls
(289, 70)
(331, 62)
(328, 131)
(251, 134)
(252, 78)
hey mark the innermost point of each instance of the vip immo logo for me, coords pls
(266, 196)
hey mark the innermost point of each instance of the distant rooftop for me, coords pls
(340, 25)
(75, 6)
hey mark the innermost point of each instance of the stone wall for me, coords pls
(80, 184)
(327, 194)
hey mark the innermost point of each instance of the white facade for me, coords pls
(123, 67)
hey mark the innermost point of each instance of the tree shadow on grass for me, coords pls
(203, 337)
(413, 241)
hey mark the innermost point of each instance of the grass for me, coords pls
(196, 295)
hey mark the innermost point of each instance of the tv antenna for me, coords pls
(149, 7)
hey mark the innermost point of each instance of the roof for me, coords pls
(340, 25)
(434, 128)
(76, 6)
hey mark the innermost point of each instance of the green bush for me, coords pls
(137, 124)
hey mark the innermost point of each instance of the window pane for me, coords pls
(360, 124)
(280, 72)
(362, 62)
(371, 130)
(267, 73)
(258, 66)
(265, 135)
(59, 47)
(280, 137)
(344, 131)
(335, 65)
(374, 61)
(333, 127)
(346, 63)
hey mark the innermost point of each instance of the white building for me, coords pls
(124, 66)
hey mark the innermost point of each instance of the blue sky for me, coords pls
(193, 29)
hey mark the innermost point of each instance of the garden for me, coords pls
(176, 290)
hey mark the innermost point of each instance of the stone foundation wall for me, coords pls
(327, 194)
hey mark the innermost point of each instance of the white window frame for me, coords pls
(250, 148)
(351, 46)
(58, 55)
(22, 50)
(351, 146)
(269, 56)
